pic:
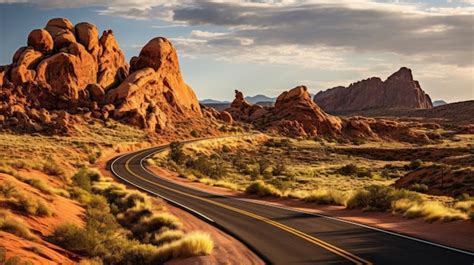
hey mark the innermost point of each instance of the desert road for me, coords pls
(285, 236)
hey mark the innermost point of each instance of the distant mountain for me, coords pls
(213, 101)
(259, 98)
(437, 103)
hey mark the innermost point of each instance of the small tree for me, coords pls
(176, 153)
(279, 168)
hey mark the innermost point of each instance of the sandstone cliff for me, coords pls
(399, 91)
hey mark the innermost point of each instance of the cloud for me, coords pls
(375, 27)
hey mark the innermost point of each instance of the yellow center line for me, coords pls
(312, 239)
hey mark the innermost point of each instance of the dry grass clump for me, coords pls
(52, 168)
(167, 237)
(13, 225)
(193, 244)
(39, 184)
(24, 202)
(262, 189)
(429, 210)
(324, 196)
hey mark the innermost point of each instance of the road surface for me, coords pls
(285, 236)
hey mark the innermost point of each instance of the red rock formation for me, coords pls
(398, 91)
(154, 93)
(294, 114)
(68, 69)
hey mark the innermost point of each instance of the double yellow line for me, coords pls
(340, 252)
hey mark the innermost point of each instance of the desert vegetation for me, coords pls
(124, 226)
(38, 173)
(324, 171)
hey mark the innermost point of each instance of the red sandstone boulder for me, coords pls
(68, 72)
(40, 40)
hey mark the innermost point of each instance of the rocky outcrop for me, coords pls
(67, 69)
(154, 93)
(294, 114)
(398, 91)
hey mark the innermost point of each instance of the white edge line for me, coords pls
(322, 215)
(154, 193)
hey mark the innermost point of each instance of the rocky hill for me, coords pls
(68, 69)
(296, 115)
(399, 91)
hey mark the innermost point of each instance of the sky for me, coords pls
(269, 46)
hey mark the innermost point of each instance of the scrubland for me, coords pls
(355, 174)
(52, 198)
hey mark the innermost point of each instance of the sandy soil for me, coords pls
(457, 234)
(39, 252)
(227, 250)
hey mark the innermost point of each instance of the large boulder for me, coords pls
(40, 40)
(67, 73)
(398, 91)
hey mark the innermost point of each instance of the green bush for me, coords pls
(262, 189)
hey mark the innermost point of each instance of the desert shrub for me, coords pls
(84, 178)
(50, 167)
(348, 170)
(262, 189)
(14, 225)
(176, 153)
(226, 149)
(167, 237)
(414, 164)
(282, 185)
(379, 198)
(154, 224)
(193, 244)
(325, 196)
(262, 165)
(418, 187)
(8, 189)
(279, 169)
(272, 142)
(194, 133)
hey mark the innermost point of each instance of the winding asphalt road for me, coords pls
(285, 236)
